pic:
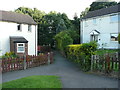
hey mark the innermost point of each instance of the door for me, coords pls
(94, 38)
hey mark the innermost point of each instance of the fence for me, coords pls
(107, 63)
(43, 49)
(21, 63)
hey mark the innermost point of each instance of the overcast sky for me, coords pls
(70, 7)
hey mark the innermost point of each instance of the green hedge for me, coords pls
(81, 54)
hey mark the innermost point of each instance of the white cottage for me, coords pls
(102, 26)
(18, 33)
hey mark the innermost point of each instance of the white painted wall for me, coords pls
(8, 29)
(104, 26)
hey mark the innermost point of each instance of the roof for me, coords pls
(18, 39)
(16, 17)
(95, 32)
(103, 11)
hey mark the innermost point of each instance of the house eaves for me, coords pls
(16, 18)
(104, 11)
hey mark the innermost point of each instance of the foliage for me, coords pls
(81, 54)
(9, 55)
(62, 40)
(101, 4)
(48, 24)
(119, 38)
(76, 28)
(83, 13)
(34, 82)
(102, 52)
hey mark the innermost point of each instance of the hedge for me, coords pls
(81, 54)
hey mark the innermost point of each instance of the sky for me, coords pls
(70, 7)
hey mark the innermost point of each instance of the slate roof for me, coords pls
(18, 39)
(16, 17)
(104, 11)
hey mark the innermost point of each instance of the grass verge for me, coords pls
(34, 82)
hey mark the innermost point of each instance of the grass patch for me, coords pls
(101, 52)
(34, 82)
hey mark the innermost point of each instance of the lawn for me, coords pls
(34, 82)
(101, 52)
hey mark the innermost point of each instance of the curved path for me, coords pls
(71, 76)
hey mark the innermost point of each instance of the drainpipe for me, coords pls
(35, 40)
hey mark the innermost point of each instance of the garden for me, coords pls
(87, 55)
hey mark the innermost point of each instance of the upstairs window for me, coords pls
(94, 21)
(114, 18)
(114, 36)
(19, 27)
(29, 28)
(86, 23)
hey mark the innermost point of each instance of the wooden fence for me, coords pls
(106, 63)
(21, 63)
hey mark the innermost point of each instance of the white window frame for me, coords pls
(29, 28)
(20, 46)
(110, 37)
(20, 27)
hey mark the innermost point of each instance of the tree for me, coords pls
(83, 13)
(61, 26)
(99, 4)
(76, 28)
(48, 24)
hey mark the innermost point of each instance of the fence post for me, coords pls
(24, 57)
(48, 58)
(92, 62)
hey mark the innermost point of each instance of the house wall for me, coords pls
(104, 26)
(8, 29)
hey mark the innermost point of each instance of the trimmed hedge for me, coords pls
(81, 54)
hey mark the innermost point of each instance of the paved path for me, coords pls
(71, 76)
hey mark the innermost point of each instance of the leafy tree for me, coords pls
(83, 13)
(34, 13)
(62, 40)
(61, 26)
(76, 27)
(99, 4)
(48, 24)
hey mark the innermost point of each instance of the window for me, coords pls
(29, 28)
(94, 20)
(114, 37)
(86, 23)
(114, 18)
(19, 27)
(20, 47)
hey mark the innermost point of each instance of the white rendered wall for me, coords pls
(105, 27)
(8, 29)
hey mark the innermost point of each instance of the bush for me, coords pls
(62, 40)
(81, 54)
(9, 55)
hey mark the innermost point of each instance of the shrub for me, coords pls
(62, 40)
(81, 54)
(9, 55)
